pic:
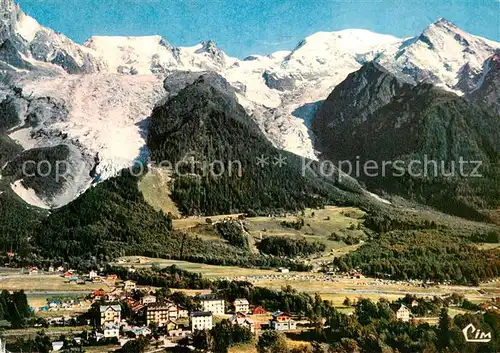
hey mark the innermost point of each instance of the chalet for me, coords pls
(200, 321)
(109, 314)
(403, 313)
(259, 310)
(129, 286)
(212, 303)
(148, 299)
(282, 322)
(241, 305)
(243, 320)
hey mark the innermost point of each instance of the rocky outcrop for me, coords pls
(487, 90)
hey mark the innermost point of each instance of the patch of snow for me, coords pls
(378, 198)
(28, 195)
(27, 27)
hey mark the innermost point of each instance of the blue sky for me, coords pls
(244, 27)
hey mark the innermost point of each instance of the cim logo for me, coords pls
(473, 334)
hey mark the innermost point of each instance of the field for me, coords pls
(44, 283)
(318, 226)
(156, 192)
(209, 271)
(334, 289)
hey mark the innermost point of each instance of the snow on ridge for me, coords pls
(279, 90)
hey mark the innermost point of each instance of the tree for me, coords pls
(444, 328)
(347, 302)
(201, 341)
(222, 336)
(138, 345)
(272, 342)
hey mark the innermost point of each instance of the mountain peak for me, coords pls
(208, 46)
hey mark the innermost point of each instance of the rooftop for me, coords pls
(201, 313)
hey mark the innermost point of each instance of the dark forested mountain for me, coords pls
(204, 129)
(351, 103)
(433, 128)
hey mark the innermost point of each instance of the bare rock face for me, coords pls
(8, 16)
(487, 91)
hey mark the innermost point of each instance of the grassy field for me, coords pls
(319, 225)
(50, 331)
(209, 271)
(44, 283)
(156, 191)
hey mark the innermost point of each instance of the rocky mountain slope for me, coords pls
(95, 98)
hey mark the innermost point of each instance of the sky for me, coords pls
(245, 27)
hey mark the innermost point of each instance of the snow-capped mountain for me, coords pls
(109, 85)
(440, 55)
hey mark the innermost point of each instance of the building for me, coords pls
(259, 310)
(200, 320)
(283, 270)
(241, 306)
(212, 303)
(403, 313)
(109, 314)
(148, 299)
(282, 322)
(129, 286)
(241, 319)
(414, 303)
(93, 275)
(111, 330)
(161, 314)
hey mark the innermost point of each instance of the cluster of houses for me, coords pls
(167, 315)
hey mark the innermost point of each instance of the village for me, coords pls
(122, 311)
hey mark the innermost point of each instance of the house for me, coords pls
(129, 286)
(57, 346)
(200, 321)
(111, 330)
(139, 331)
(68, 274)
(148, 299)
(93, 275)
(241, 305)
(97, 294)
(161, 314)
(258, 310)
(282, 322)
(51, 269)
(109, 314)
(212, 303)
(241, 319)
(414, 303)
(60, 269)
(33, 270)
(403, 313)
(283, 270)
